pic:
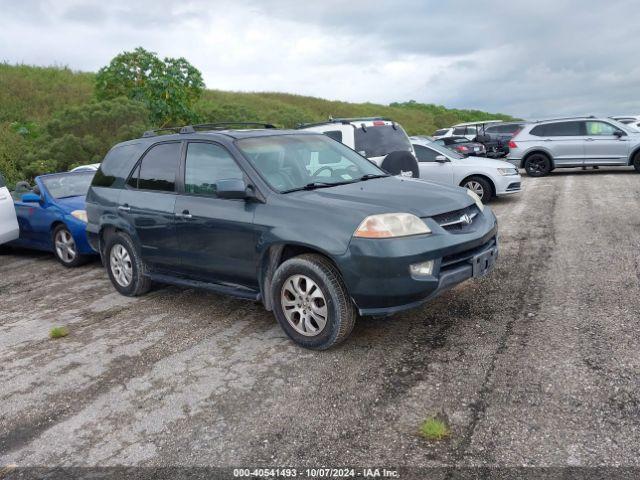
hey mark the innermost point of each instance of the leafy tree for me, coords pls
(80, 135)
(168, 88)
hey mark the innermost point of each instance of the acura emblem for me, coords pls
(465, 219)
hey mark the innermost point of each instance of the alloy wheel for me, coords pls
(304, 305)
(121, 266)
(476, 188)
(65, 246)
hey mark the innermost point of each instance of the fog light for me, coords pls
(421, 269)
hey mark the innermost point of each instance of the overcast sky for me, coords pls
(526, 58)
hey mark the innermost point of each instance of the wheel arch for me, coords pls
(633, 154)
(274, 256)
(484, 176)
(539, 151)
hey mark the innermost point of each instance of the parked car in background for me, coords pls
(502, 132)
(52, 217)
(381, 140)
(8, 222)
(542, 146)
(442, 132)
(484, 176)
(461, 145)
(291, 218)
(93, 167)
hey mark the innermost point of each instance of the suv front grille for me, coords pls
(459, 221)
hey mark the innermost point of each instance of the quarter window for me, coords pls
(157, 170)
(425, 154)
(335, 134)
(206, 164)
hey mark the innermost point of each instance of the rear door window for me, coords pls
(441, 132)
(564, 129)
(379, 141)
(157, 170)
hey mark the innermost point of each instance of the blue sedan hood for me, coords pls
(69, 204)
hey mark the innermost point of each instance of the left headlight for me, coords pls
(476, 198)
(508, 171)
(80, 215)
(389, 225)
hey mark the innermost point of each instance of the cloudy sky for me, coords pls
(527, 58)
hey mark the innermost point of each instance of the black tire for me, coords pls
(341, 313)
(66, 252)
(636, 162)
(473, 182)
(538, 165)
(139, 283)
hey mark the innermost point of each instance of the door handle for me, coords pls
(124, 208)
(547, 139)
(589, 139)
(185, 214)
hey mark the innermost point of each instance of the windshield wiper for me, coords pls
(314, 185)
(369, 176)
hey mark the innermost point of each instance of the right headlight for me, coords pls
(390, 225)
(507, 171)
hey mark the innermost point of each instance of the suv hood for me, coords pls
(386, 195)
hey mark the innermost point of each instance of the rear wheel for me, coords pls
(636, 162)
(125, 267)
(537, 165)
(480, 186)
(65, 249)
(311, 303)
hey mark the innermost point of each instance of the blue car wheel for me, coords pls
(65, 249)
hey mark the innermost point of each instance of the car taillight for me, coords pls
(378, 123)
(512, 144)
(461, 148)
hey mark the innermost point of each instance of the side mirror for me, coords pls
(30, 198)
(619, 133)
(441, 159)
(232, 189)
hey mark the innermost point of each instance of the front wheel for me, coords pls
(311, 303)
(480, 187)
(65, 249)
(537, 165)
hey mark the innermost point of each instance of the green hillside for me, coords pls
(40, 106)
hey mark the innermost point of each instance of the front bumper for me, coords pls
(376, 272)
(508, 184)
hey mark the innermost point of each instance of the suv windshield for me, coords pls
(69, 185)
(293, 162)
(378, 141)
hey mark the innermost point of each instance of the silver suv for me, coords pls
(574, 142)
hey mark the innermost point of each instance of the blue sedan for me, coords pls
(52, 217)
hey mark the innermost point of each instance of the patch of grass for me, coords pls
(58, 332)
(434, 429)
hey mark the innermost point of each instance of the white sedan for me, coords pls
(9, 229)
(484, 176)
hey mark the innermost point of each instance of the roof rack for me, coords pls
(577, 117)
(153, 133)
(344, 121)
(205, 126)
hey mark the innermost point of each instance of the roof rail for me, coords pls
(577, 117)
(153, 133)
(343, 121)
(203, 126)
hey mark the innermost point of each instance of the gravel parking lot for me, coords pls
(536, 364)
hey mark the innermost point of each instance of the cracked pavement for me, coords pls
(534, 365)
